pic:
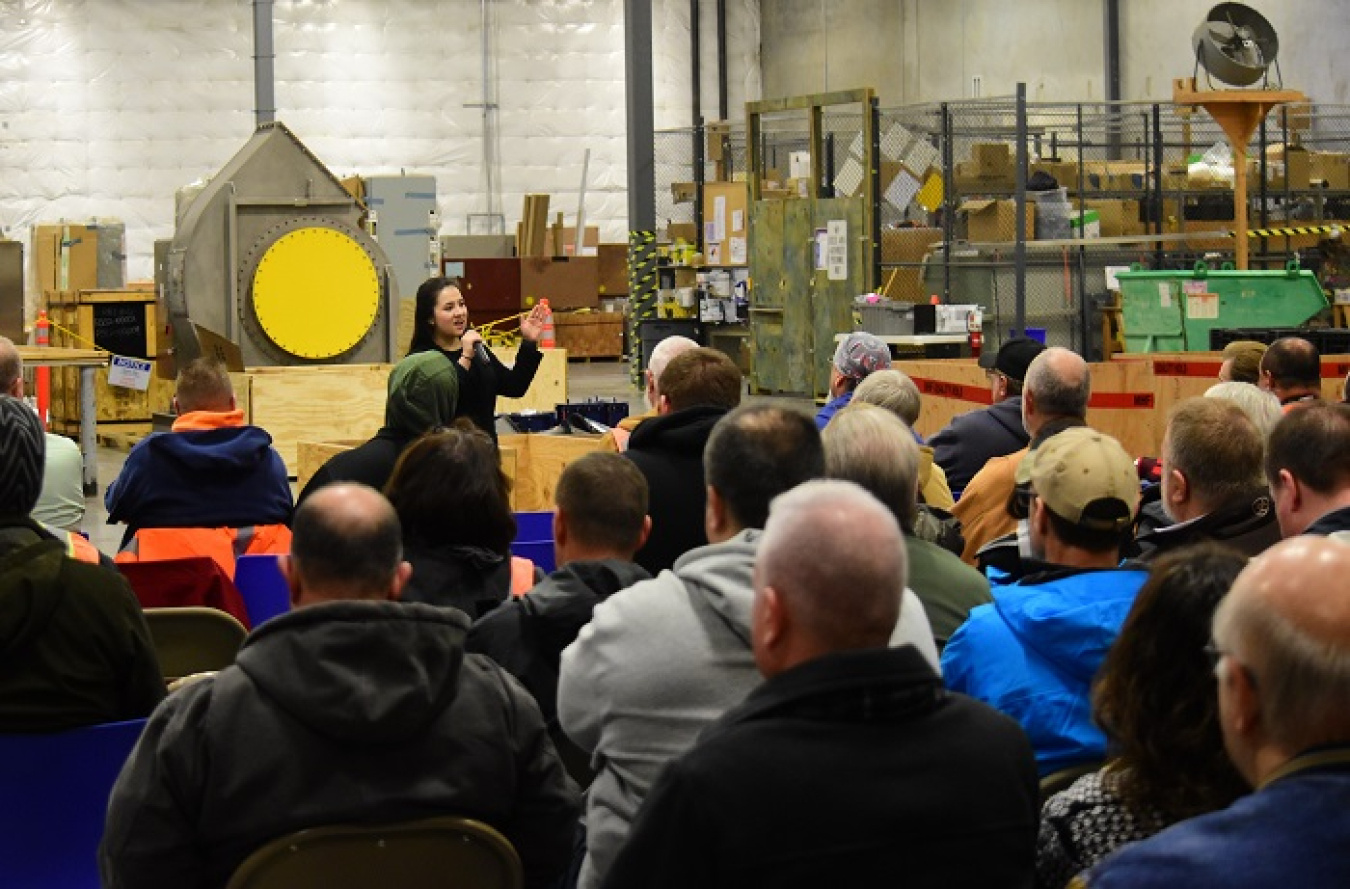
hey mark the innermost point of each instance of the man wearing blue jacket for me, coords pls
(1034, 652)
(211, 471)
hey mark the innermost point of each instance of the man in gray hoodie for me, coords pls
(662, 660)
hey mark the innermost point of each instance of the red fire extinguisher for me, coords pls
(975, 334)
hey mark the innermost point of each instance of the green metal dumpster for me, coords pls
(1174, 311)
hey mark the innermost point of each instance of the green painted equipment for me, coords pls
(1174, 311)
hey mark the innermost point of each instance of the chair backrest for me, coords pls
(173, 583)
(53, 800)
(262, 587)
(436, 853)
(534, 539)
(193, 640)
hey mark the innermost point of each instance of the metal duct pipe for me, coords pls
(264, 59)
(696, 80)
(721, 59)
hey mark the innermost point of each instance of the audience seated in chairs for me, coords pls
(1033, 653)
(1282, 645)
(74, 648)
(352, 708)
(697, 388)
(661, 660)
(1155, 699)
(211, 475)
(850, 765)
(601, 521)
(454, 504)
(1212, 485)
(1307, 470)
(1055, 398)
(423, 393)
(1292, 369)
(874, 448)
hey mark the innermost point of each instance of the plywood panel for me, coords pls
(311, 455)
(321, 402)
(549, 388)
(540, 460)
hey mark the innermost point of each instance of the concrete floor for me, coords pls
(595, 379)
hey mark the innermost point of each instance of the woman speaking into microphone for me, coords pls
(441, 322)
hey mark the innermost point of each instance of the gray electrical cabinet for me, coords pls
(403, 220)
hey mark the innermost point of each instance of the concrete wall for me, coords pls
(931, 50)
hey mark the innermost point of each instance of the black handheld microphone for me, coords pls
(481, 353)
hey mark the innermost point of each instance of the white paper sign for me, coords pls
(921, 157)
(719, 218)
(822, 238)
(849, 178)
(895, 142)
(856, 147)
(129, 373)
(902, 190)
(1164, 295)
(737, 250)
(1203, 306)
(836, 249)
(1112, 282)
(737, 221)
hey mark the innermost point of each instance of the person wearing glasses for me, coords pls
(1282, 642)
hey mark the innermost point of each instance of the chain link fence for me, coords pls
(1107, 185)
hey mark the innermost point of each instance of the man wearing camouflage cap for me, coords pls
(856, 356)
(1033, 653)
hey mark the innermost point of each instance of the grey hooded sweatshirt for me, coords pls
(658, 663)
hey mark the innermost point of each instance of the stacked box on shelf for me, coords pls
(590, 334)
(122, 322)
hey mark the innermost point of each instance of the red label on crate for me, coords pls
(1334, 370)
(1187, 368)
(955, 391)
(1122, 401)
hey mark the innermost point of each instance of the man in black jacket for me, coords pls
(971, 439)
(600, 522)
(697, 389)
(351, 708)
(850, 765)
(1307, 469)
(1212, 485)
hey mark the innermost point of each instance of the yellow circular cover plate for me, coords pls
(316, 292)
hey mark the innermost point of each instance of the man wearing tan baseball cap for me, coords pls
(1034, 652)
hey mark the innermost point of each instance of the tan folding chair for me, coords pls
(193, 639)
(436, 853)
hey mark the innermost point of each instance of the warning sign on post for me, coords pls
(129, 373)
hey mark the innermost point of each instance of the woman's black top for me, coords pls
(480, 385)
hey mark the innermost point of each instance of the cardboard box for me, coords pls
(683, 192)
(455, 247)
(969, 180)
(683, 231)
(716, 133)
(1117, 216)
(79, 257)
(1330, 168)
(569, 283)
(992, 158)
(725, 223)
(590, 242)
(991, 221)
(906, 245)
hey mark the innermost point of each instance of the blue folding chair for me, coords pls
(54, 791)
(262, 587)
(534, 539)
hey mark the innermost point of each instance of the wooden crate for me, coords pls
(1123, 403)
(590, 334)
(345, 402)
(123, 322)
(533, 463)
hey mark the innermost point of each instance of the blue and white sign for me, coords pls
(129, 373)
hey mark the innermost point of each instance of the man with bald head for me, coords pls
(353, 707)
(670, 347)
(1282, 643)
(850, 764)
(1292, 369)
(1055, 398)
